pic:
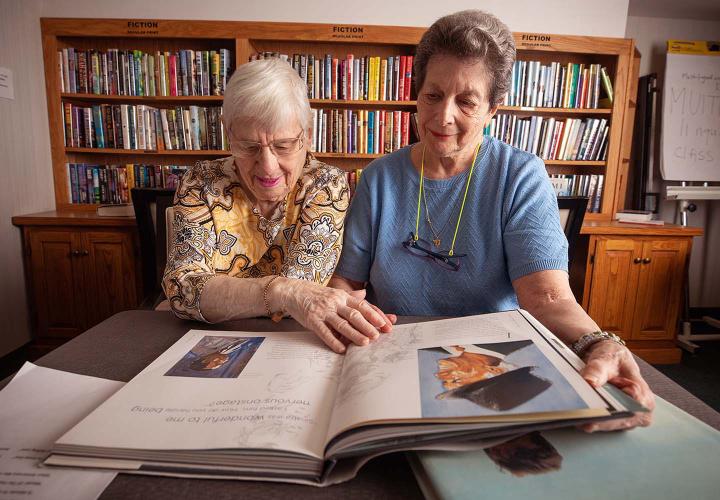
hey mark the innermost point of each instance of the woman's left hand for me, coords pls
(608, 361)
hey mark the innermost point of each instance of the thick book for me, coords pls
(280, 406)
(675, 457)
(634, 215)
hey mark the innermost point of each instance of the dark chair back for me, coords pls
(150, 207)
(572, 212)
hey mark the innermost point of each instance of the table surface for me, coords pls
(123, 345)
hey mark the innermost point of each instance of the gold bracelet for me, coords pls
(274, 316)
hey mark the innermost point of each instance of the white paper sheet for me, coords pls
(36, 408)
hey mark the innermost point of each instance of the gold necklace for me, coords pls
(436, 235)
(416, 235)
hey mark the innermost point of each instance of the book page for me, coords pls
(214, 390)
(494, 367)
(38, 405)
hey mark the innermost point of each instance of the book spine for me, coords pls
(606, 83)
(82, 183)
(405, 128)
(408, 78)
(401, 79)
(95, 172)
(107, 113)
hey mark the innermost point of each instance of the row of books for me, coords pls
(590, 185)
(138, 73)
(111, 184)
(367, 78)
(574, 139)
(556, 85)
(129, 126)
(360, 131)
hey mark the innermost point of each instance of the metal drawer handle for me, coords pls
(646, 260)
(637, 260)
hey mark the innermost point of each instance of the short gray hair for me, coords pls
(470, 34)
(266, 93)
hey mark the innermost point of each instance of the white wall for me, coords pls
(24, 141)
(25, 172)
(651, 35)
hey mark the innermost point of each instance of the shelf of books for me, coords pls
(133, 103)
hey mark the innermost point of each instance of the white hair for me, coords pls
(266, 94)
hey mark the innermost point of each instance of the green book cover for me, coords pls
(574, 85)
(676, 457)
(607, 84)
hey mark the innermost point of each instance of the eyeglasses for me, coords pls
(421, 248)
(280, 147)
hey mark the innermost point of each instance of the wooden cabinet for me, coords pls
(79, 271)
(634, 284)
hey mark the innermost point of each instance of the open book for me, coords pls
(282, 407)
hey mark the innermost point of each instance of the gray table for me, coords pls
(121, 346)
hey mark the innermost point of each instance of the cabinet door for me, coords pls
(614, 280)
(56, 279)
(660, 292)
(110, 285)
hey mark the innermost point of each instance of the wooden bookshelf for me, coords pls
(243, 39)
(75, 227)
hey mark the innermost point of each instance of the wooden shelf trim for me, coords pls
(162, 152)
(621, 228)
(559, 163)
(142, 99)
(579, 163)
(82, 217)
(347, 155)
(554, 111)
(362, 103)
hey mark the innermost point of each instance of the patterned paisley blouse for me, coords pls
(216, 230)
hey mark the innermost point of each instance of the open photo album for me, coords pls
(281, 406)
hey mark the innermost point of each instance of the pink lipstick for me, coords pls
(268, 182)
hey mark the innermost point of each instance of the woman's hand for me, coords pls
(608, 361)
(336, 316)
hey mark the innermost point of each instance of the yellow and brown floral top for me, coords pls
(216, 230)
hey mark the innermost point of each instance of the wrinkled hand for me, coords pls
(608, 361)
(336, 316)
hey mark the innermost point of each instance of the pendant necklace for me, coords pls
(421, 195)
(436, 234)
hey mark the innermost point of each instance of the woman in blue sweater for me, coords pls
(462, 224)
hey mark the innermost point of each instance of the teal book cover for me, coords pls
(677, 457)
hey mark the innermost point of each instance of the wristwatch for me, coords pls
(581, 345)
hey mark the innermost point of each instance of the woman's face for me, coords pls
(453, 106)
(268, 177)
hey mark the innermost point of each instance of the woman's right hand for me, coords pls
(336, 316)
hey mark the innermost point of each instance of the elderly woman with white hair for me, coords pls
(260, 232)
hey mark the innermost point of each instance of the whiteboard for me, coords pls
(690, 148)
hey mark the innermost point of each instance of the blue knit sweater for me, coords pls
(510, 227)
